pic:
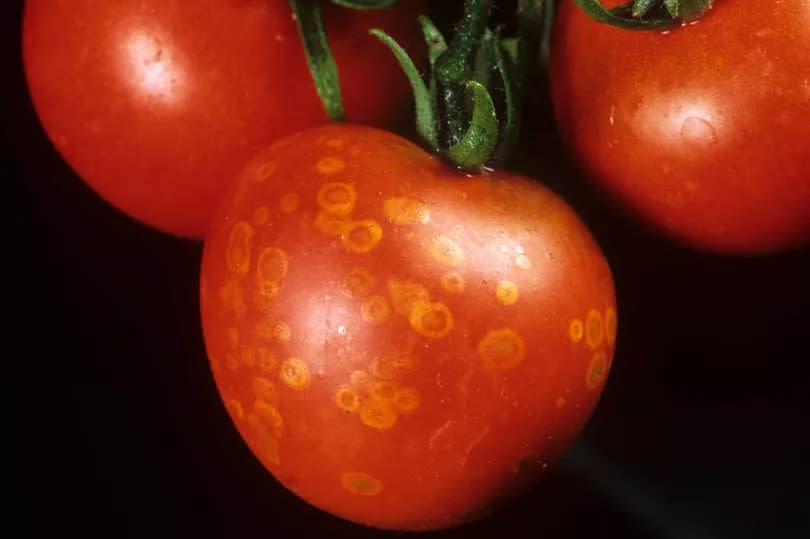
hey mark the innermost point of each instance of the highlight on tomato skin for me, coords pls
(399, 344)
(156, 104)
(700, 132)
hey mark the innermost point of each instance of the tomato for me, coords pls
(400, 344)
(702, 131)
(157, 103)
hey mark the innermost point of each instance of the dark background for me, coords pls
(119, 431)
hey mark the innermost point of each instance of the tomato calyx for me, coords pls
(321, 62)
(647, 14)
(456, 114)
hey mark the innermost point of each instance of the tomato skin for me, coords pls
(156, 103)
(701, 132)
(399, 344)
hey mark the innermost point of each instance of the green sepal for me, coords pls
(319, 56)
(426, 124)
(477, 143)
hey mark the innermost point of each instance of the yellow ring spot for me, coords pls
(406, 211)
(360, 380)
(248, 356)
(347, 399)
(281, 331)
(261, 215)
(330, 225)
(501, 349)
(361, 483)
(337, 198)
(265, 170)
(361, 236)
(507, 292)
(433, 320)
(597, 369)
(453, 282)
(594, 328)
(266, 360)
(375, 310)
(576, 330)
(357, 282)
(384, 391)
(289, 202)
(334, 142)
(237, 256)
(294, 373)
(523, 262)
(377, 414)
(231, 295)
(404, 294)
(385, 367)
(269, 414)
(330, 165)
(266, 295)
(265, 390)
(446, 251)
(232, 361)
(272, 265)
(611, 324)
(407, 400)
(236, 409)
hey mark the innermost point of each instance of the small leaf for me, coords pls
(319, 56)
(673, 7)
(509, 46)
(476, 144)
(510, 127)
(694, 9)
(548, 24)
(426, 125)
(433, 38)
(365, 4)
(622, 17)
(642, 7)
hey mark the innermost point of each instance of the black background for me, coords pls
(119, 430)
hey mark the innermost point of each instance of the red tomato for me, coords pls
(399, 344)
(702, 131)
(157, 103)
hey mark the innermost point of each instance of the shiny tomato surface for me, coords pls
(156, 104)
(400, 344)
(701, 131)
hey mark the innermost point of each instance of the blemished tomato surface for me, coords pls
(702, 131)
(156, 104)
(400, 344)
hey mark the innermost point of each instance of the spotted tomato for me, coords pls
(398, 343)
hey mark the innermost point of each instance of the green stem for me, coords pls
(456, 67)
(319, 56)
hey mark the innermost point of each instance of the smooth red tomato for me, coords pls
(400, 344)
(702, 131)
(157, 103)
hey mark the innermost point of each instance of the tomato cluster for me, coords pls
(399, 343)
